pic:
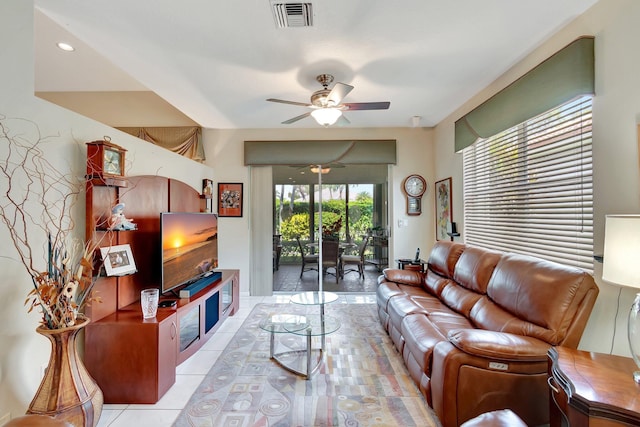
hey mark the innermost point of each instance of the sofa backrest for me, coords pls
(443, 258)
(538, 298)
(471, 278)
(441, 265)
(475, 267)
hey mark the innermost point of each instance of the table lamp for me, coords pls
(621, 265)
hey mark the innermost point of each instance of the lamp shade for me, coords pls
(326, 116)
(621, 263)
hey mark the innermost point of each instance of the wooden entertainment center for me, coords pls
(134, 360)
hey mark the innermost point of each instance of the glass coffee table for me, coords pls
(305, 361)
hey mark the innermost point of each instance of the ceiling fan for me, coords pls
(327, 105)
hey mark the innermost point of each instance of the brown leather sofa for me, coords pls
(474, 329)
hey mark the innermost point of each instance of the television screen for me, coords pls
(189, 247)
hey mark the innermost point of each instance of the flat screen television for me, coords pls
(189, 247)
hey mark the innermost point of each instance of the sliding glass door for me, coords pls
(350, 211)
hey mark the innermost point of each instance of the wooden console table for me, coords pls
(592, 389)
(134, 360)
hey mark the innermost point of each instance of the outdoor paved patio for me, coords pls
(287, 279)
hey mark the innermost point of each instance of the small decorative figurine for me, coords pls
(119, 221)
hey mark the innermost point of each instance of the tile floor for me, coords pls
(190, 373)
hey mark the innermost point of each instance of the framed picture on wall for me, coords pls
(230, 199)
(444, 214)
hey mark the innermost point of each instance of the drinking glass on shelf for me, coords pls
(149, 302)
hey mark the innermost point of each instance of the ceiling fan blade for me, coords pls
(367, 105)
(295, 119)
(339, 91)
(342, 121)
(282, 101)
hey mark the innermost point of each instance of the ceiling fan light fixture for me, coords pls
(326, 116)
(316, 169)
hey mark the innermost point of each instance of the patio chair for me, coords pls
(331, 257)
(354, 260)
(309, 261)
(277, 251)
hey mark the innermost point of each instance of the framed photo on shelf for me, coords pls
(207, 194)
(207, 187)
(444, 214)
(230, 199)
(118, 260)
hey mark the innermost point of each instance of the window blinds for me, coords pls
(529, 189)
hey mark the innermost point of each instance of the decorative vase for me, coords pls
(67, 391)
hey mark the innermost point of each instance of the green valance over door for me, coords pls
(364, 152)
(565, 75)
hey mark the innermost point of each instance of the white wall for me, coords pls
(616, 112)
(22, 351)
(224, 150)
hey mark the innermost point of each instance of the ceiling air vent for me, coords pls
(292, 14)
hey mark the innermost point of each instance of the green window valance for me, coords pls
(565, 75)
(320, 152)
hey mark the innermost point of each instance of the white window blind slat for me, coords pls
(529, 189)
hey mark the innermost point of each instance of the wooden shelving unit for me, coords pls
(134, 360)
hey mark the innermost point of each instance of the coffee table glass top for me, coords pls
(282, 323)
(314, 298)
(316, 326)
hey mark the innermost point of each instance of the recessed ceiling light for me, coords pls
(65, 46)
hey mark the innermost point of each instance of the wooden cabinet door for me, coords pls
(132, 361)
(167, 354)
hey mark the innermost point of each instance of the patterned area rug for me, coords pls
(362, 381)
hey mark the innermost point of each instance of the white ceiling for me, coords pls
(217, 61)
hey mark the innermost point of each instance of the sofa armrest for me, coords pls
(499, 345)
(465, 385)
(405, 277)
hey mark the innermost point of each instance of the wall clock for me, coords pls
(105, 161)
(414, 187)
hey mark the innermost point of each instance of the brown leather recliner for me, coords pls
(475, 328)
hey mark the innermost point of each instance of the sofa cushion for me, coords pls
(385, 291)
(430, 303)
(497, 345)
(434, 283)
(543, 295)
(448, 322)
(401, 306)
(458, 298)
(486, 314)
(420, 337)
(443, 258)
(409, 277)
(475, 268)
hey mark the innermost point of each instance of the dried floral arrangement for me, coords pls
(38, 199)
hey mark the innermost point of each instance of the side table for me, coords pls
(411, 264)
(301, 362)
(588, 389)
